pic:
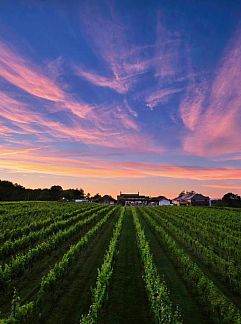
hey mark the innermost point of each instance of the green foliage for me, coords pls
(158, 295)
(203, 243)
(104, 275)
(49, 281)
(12, 246)
(54, 215)
(21, 262)
(221, 307)
(219, 254)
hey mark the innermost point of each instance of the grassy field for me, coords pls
(90, 263)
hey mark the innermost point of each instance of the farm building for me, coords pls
(160, 201)
(132, 199)
(192, 200)
(108, 200)
(164, 202)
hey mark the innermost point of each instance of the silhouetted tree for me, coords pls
(56, 192)
(231, 200)
(10, 191)
(72, 194)
(87, 196)
(185, 192)
(96, 197)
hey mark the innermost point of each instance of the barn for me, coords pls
(192, 200)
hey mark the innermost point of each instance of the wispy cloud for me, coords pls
(160, 96)
(192, 105)
(110, 126)
(16, 151)
(31, 161)
(223, 186)
(101, 81)
(18, 71)
(170, 65)
(217, 130)
(108, 35)
(96, 124)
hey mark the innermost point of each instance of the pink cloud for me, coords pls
(191, 107)
(14, 110)
(18, 71)
(109, 37)
(101, 81)
(168, 66)
(16, 151)
(217, 130)
(37, 161)
(110, 126)
(20, 115)
(223, 186)
(103, 127)
(160, 96)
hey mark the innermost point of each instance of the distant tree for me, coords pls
(231, 196)
(231, 200)
(82, 193)
(96, 198)
(45, 194)
(87, 196)
(72, 194)
(56, 192)
(185, 192)
(10, 191)
(182, 193)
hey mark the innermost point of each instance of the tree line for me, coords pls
(10, 191)
(229, 200)
(13, 191)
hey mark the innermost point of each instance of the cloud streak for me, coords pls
(214, 116)
(108, 36)
(90, 124)
(17, 70)
(101, 81)
(33, 161)
(160, 96)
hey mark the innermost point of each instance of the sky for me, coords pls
(121, 95)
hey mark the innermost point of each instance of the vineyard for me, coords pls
(90, 263)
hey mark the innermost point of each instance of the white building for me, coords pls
(164, 202)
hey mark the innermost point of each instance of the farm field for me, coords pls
(90, 263)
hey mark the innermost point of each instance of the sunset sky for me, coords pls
(121, 95)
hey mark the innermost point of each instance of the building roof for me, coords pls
(189, 196)
(160, 198)
(130, 196)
